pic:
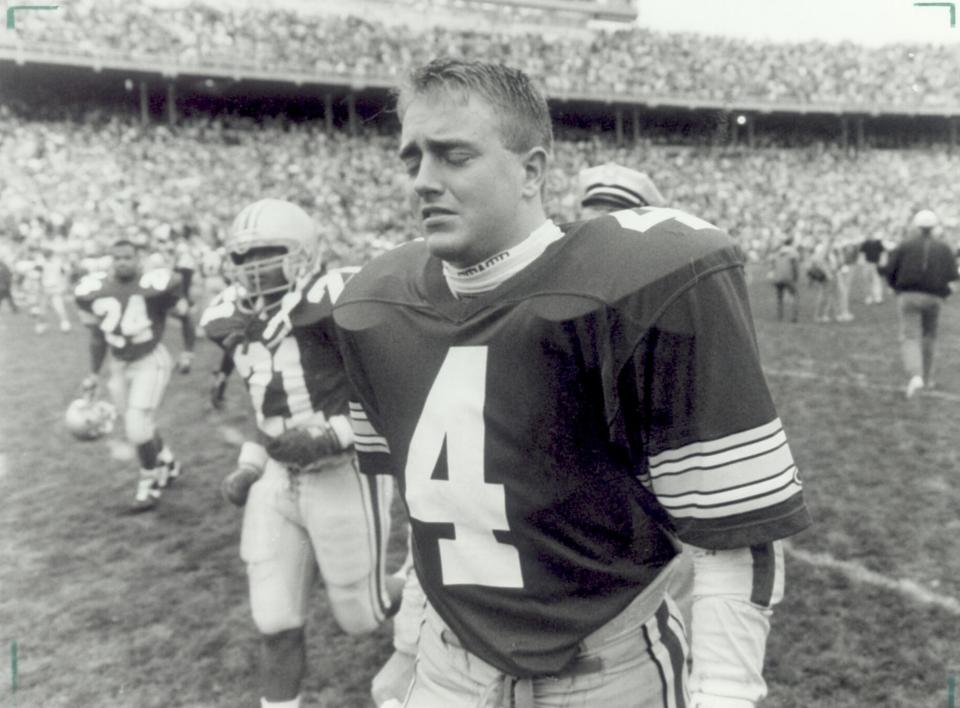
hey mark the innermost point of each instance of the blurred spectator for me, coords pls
(785, 274)
(629, 61)
(923, 272)
(6, 287)
(871, 250)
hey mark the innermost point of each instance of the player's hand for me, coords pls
(90, 384)
(301, 448)
(235, 487)
(184, 362)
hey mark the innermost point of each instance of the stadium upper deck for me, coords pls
(629, 66)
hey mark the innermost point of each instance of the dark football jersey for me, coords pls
(133, 314)
(549, 437)
(289, 361)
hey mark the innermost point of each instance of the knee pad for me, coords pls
(352, 607)
(139, 425)
(275, 618)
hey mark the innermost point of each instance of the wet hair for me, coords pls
(519, 105)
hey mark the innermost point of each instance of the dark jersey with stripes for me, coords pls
(289, 360)
(550, 436)
(132, 314)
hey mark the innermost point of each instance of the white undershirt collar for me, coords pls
(485, 276)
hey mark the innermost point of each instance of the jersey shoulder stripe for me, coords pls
(313, 301)
(388, 275)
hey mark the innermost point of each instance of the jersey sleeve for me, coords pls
(85, 292)
(716, 455)
(373, 452)
(164, 288)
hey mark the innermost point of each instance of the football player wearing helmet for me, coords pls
(126, 312)
(559, 405)
(307, 508)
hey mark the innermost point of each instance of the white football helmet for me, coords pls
(89, 419)
(271, 223)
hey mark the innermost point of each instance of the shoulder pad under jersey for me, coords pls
(612, 256)
(314, 301)
(159, 280)
(90, 287)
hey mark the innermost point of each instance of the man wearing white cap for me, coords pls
(612, 187)
(922, 272)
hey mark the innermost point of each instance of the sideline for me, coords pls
(860, 381)
(858, 573)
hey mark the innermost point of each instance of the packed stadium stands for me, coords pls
(86, 168)
(632, 61)
(101, 178)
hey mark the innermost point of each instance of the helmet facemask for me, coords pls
(267, 273)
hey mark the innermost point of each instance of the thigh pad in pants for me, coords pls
(274, 545)
(347, 517)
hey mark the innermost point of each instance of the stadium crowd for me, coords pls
(629, 61)
(87, 182)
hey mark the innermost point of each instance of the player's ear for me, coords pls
(534, 172)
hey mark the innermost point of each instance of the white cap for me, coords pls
(617, 186)
(925, 219)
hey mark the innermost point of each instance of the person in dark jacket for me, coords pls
(922, 272)
(6, 286)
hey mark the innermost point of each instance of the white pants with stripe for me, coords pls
(137, 388)
(637, 660)
(336, 521)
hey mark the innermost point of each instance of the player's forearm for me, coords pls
(98, 350)
(734, 592)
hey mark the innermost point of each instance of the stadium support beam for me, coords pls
(860, 132)
(844, 132)
(635, 120)
(952, 125)
(352, 122)
(144, 103)
(171, 104)
(328, 112)
(618, 123)
(750, 135)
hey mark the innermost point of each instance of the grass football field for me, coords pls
(111, 610)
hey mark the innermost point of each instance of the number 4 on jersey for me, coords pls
(453, 413)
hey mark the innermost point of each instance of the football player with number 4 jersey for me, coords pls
(307, 505)
(126, 312)
(559, 406)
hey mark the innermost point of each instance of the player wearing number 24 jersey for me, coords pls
(126, 312)
(559, 405)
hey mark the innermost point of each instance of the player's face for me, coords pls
(263, 271)
(126, 262)
(467, 185)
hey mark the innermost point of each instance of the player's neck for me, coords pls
(491, 272)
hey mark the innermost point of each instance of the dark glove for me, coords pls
(301, 448)
(235, 487)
